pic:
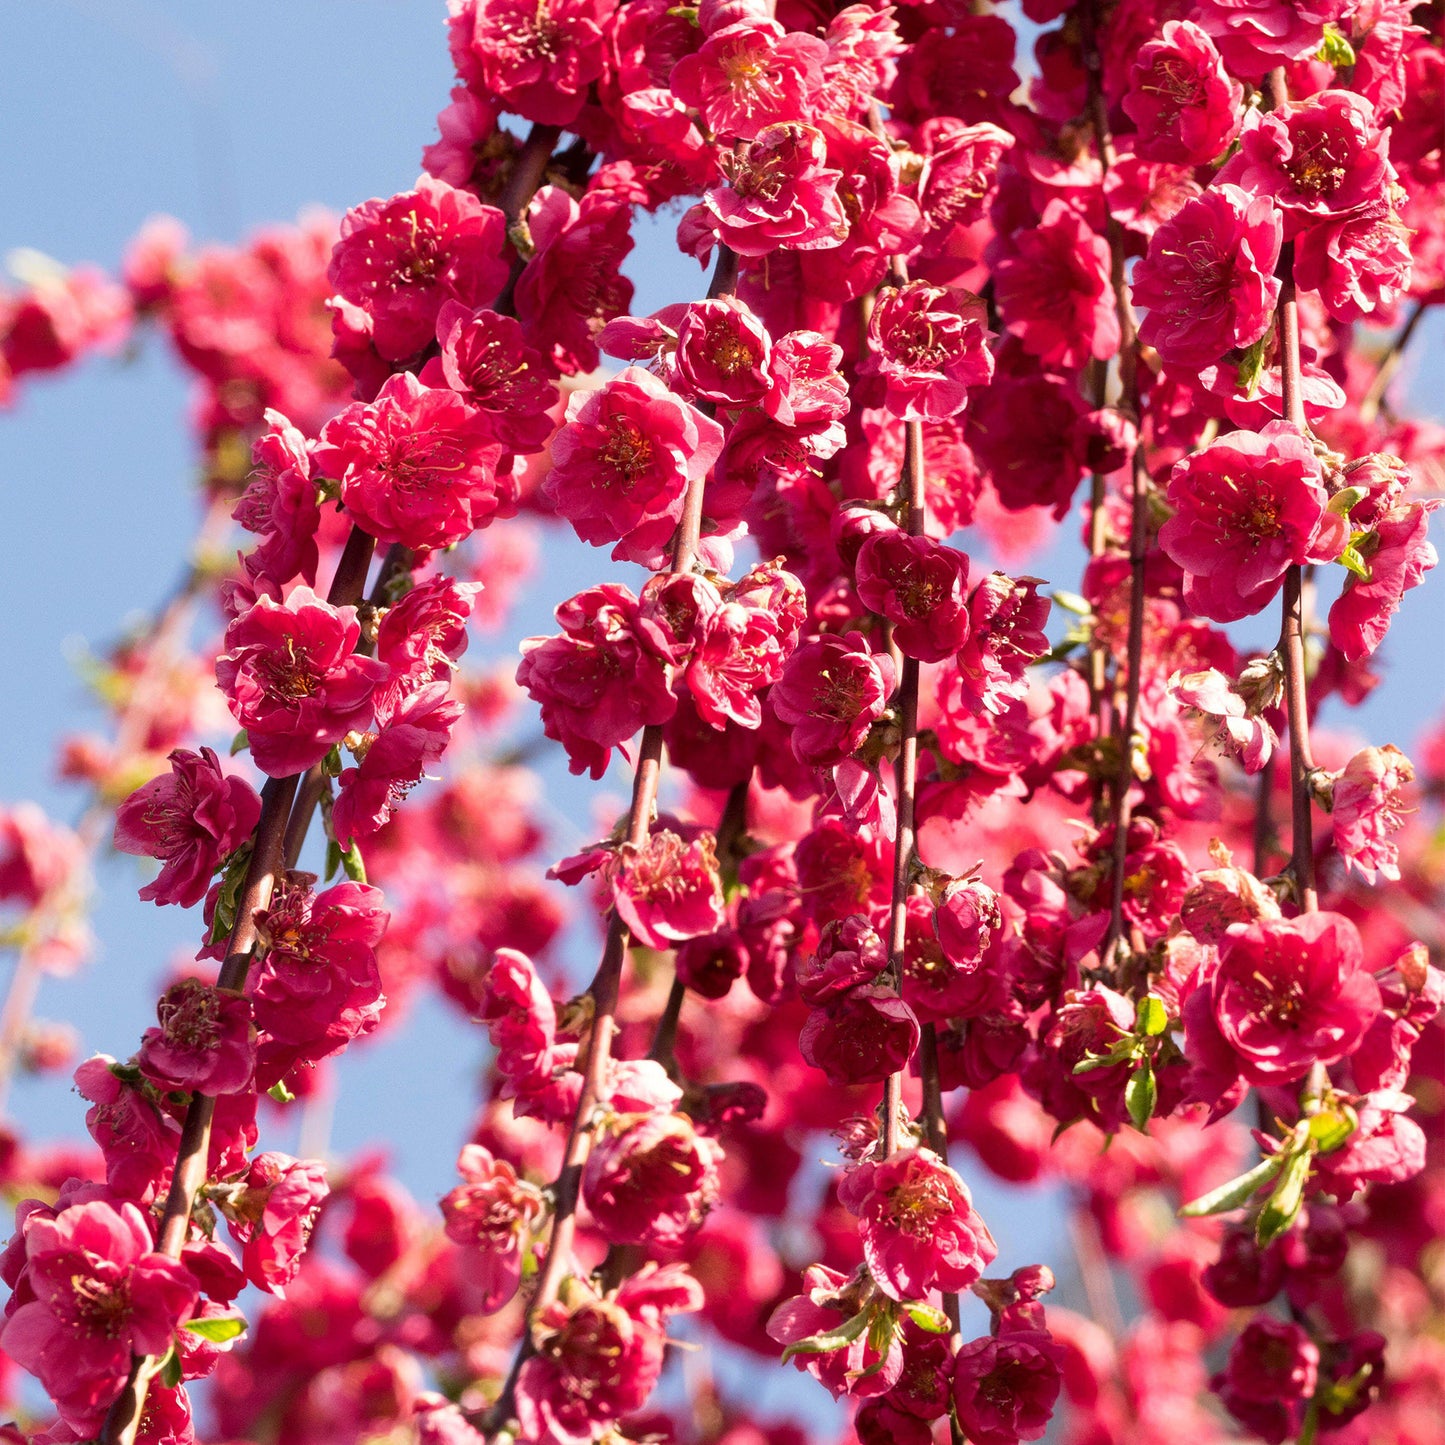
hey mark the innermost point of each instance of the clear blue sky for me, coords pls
(229, 116)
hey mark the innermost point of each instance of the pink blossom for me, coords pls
(1005, 1387)
(921, 587)
(723, 351)
(830, 693)
(849, 953)
(36, 856)
(917, 1224)
(667, 891)
(491, 1216)
(191, 819)
(965, 921)
(273, 1216)
(622, 462)
(1359, 265)
(1272, 1360)
(1368, 807)
(422, 636)
(599, 681)
(778, 192)
(1021, 429)
(1185, 105)
(1318, 159)
(280, 504)
(1054, 291)
(1006, 636)
(868, 1365)
(293, 680)
(137, 1140)
(598, 1356)
(926, 348)
(1248, 507)
(1246, 734)
(393, 760)
(861, 1037)
(399, 260)
(1398, 553)
(808, 389)
(1256, 35)
(205, 1043)
(573, 284)
(486, 360)
(749, 75)
(960, 174)
(1291, 992)
(97, 1290)
(652, 1180)
(416, 466)
(536, 60)
(1208, 278)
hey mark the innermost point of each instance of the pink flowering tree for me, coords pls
(930, 870)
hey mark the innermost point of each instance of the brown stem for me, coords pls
(1389, 365)
(528, 169)
(606, 982)
(1301, 762)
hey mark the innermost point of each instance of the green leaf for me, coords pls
(1335, 49)
(1329, 1130)
(218, 1328)
(333, 859)
(351, 862)
(281, 1093)
(829, 1340)
(1251, 368)
(1283, 1205)
(169, 1369)
(1354, 560)
(228, 899)
(1072, 602)
(240, 743)
(1153, 1016)
(1237, 1192)
(1346, 500)
(1140, 1095)
(928, 1318)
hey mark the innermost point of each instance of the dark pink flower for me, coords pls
(417, 466)
(1247, 508)
(272, 1216)
(1208, 278)
(723, 351)
(598, 1356)
(521, 1021)
(205, 1042)
(36, 856)
(1369, 807)
(749, 75)
(1272, 1360)
(830, 693)
(422, 636)
(1318, 159)
(293, 680)
(97, 1291)
(1359, 265)
(850, 952)
(860, 1037)
(398, 260)
(867, 1365)
(137, 1140)
(959, 176)
(965, 921)
(1290, 992)
(536, 59)
(601, 680)
(573, 285)
(190, 818)
(741, 646)
(808, 389)
(921, 587)
(1398, 554)
(491, 1216)
(1054, 292)
(652, 1180)
(280, 504)
(486, 360)
(1021, 429)
(1005, 1387)
(393, 760)
(1256, 35)
(778, 192)
(622, 462)
(667, 891)
(917, 1224)
(926, 347)
(1185, 105)
(1006, 637)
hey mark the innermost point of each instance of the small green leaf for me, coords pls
(351, 862)
(169, 1369)
(1153, 1016)
(1283, 1205)
(1335, 49)
(333, 859)
(1329, 1130)
(684, 12)
(1346, 500)
(1251, 368)
(1354, 560)
(1072, 602)
(218, 1328)
(829, 1340)
(240, 743)
(1237, 1192)
(928, 1318)
(281, 1093)
(1140, 1095)
(233, 877)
